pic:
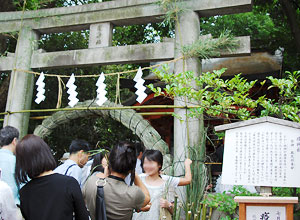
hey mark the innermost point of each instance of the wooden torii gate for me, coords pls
(100, 18)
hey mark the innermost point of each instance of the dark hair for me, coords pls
(78, 145)
(7, 135)
(33, 157)
(122, 159)
(97, 163)
(153, 155)
(139, 147)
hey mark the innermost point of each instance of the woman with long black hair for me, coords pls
(47, 195)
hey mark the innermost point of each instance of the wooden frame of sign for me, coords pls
(256, 201)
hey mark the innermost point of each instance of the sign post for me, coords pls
(262, 152)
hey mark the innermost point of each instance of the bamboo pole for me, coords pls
(189, 214)
(175, 208)
(198, 214)
(102, 108)
(210, 213)
(204, 212)
(140, 113)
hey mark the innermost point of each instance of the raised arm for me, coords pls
(187, 179)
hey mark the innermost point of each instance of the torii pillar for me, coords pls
(187, 132)
(21, 84)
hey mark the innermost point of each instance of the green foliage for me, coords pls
(241, 191)
(288, 192)
(288, 104)
(30, 4)
(224, 202)
(209, 47)
(141, 34)
(257, 24)
(228, 218)
(39, 4)
(285, 192)
(172, 8)
(64, 41)
(217, 97)
(99, 132)
(267, 27)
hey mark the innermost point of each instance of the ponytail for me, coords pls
(122, 159)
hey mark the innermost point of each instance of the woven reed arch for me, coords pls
(128, 117)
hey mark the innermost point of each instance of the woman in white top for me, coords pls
(159, 186)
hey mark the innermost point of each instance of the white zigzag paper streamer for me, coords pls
(101, 92)
(41, 89)
(140, 92)
(72, 91)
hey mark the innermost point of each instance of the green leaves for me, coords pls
(229, 98)
(224, 202)
(208, 47)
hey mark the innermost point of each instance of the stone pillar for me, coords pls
(21, 84)
(186, 33)
(100, 35)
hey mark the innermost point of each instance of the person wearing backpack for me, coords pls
(120, 198)
(79, 156)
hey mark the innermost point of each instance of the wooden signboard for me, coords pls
(261, 152)
(265, 208)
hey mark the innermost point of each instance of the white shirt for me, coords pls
(165, 190)
(86, 170)
(70, 168)
(8, 208)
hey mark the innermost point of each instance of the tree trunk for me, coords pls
(3, 93)
(291, 15)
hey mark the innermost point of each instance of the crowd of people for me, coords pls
(126, 183)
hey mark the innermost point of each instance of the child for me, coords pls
(158, 185)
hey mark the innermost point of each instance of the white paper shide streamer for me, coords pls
(140, 92)
(72, 91)
(41, 89)
(101, 92)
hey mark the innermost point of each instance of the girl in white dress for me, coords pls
(159, 186)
